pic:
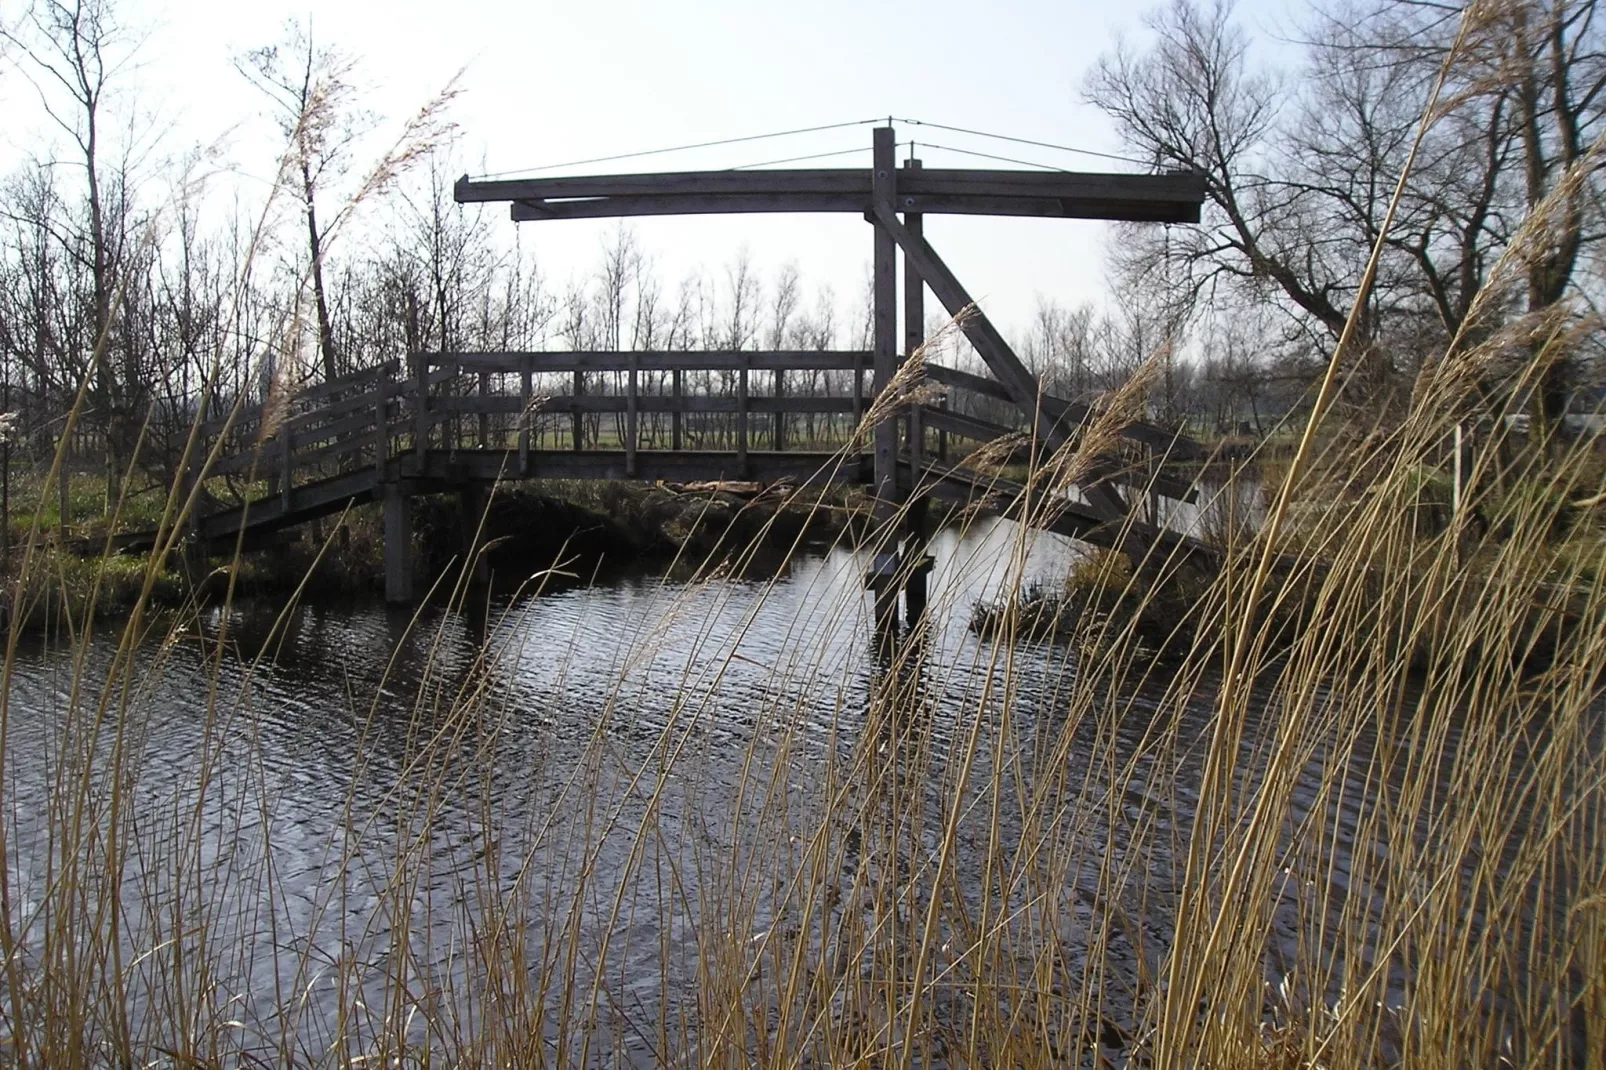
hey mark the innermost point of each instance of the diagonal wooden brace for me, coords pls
(1005, 365)
(1020, 382)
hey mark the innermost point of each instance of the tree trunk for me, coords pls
(326, 334)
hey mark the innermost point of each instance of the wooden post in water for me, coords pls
(398, 544)
(916, 562)
(884, 435)
(471, 504)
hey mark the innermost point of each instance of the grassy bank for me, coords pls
(1165, 606)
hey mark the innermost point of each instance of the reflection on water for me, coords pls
(344, 839)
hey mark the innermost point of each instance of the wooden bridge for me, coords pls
(461, 422)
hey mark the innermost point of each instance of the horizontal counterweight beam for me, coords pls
(1143, 198)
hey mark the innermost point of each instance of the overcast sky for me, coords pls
(545, 83)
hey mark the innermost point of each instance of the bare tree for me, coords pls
(1554, 52)
(451, 254)
(1523, 113)
(1300, 173)
(314, 100)
(74, 52)
(70, 51)
(1193, 102)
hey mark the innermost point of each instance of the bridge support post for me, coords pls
(916, 561)
(398, 544)
(471, 504)
(882, 580)
(883, 576)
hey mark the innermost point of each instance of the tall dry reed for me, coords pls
(1350, 817)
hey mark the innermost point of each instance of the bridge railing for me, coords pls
(338, 425)
(627, 402)
(633, 401)
(974, 416)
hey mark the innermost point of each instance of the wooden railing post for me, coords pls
(779, 437)
(485, 417)
(677, 388)
(917, 446)
(454, 421)
(287, 466)
(63, 498)
(741, 419)
(579, 417)
(858, 393)
(192, 478)
(631, 386)
(382, 425)
(524, 417)
(421, 403)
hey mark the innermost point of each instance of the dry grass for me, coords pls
(1007, 859)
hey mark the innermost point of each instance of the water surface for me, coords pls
(638, 760)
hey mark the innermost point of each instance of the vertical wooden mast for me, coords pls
(915, 563)
(884, 570)
(885, 433)
(914, 334)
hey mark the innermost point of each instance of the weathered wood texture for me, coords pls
(914, 323)
(1169, 198)
(657, 359)
(884, 435)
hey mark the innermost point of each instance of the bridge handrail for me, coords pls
(539, 361)
(307, 437)
(1153, 435)
(361, 414)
